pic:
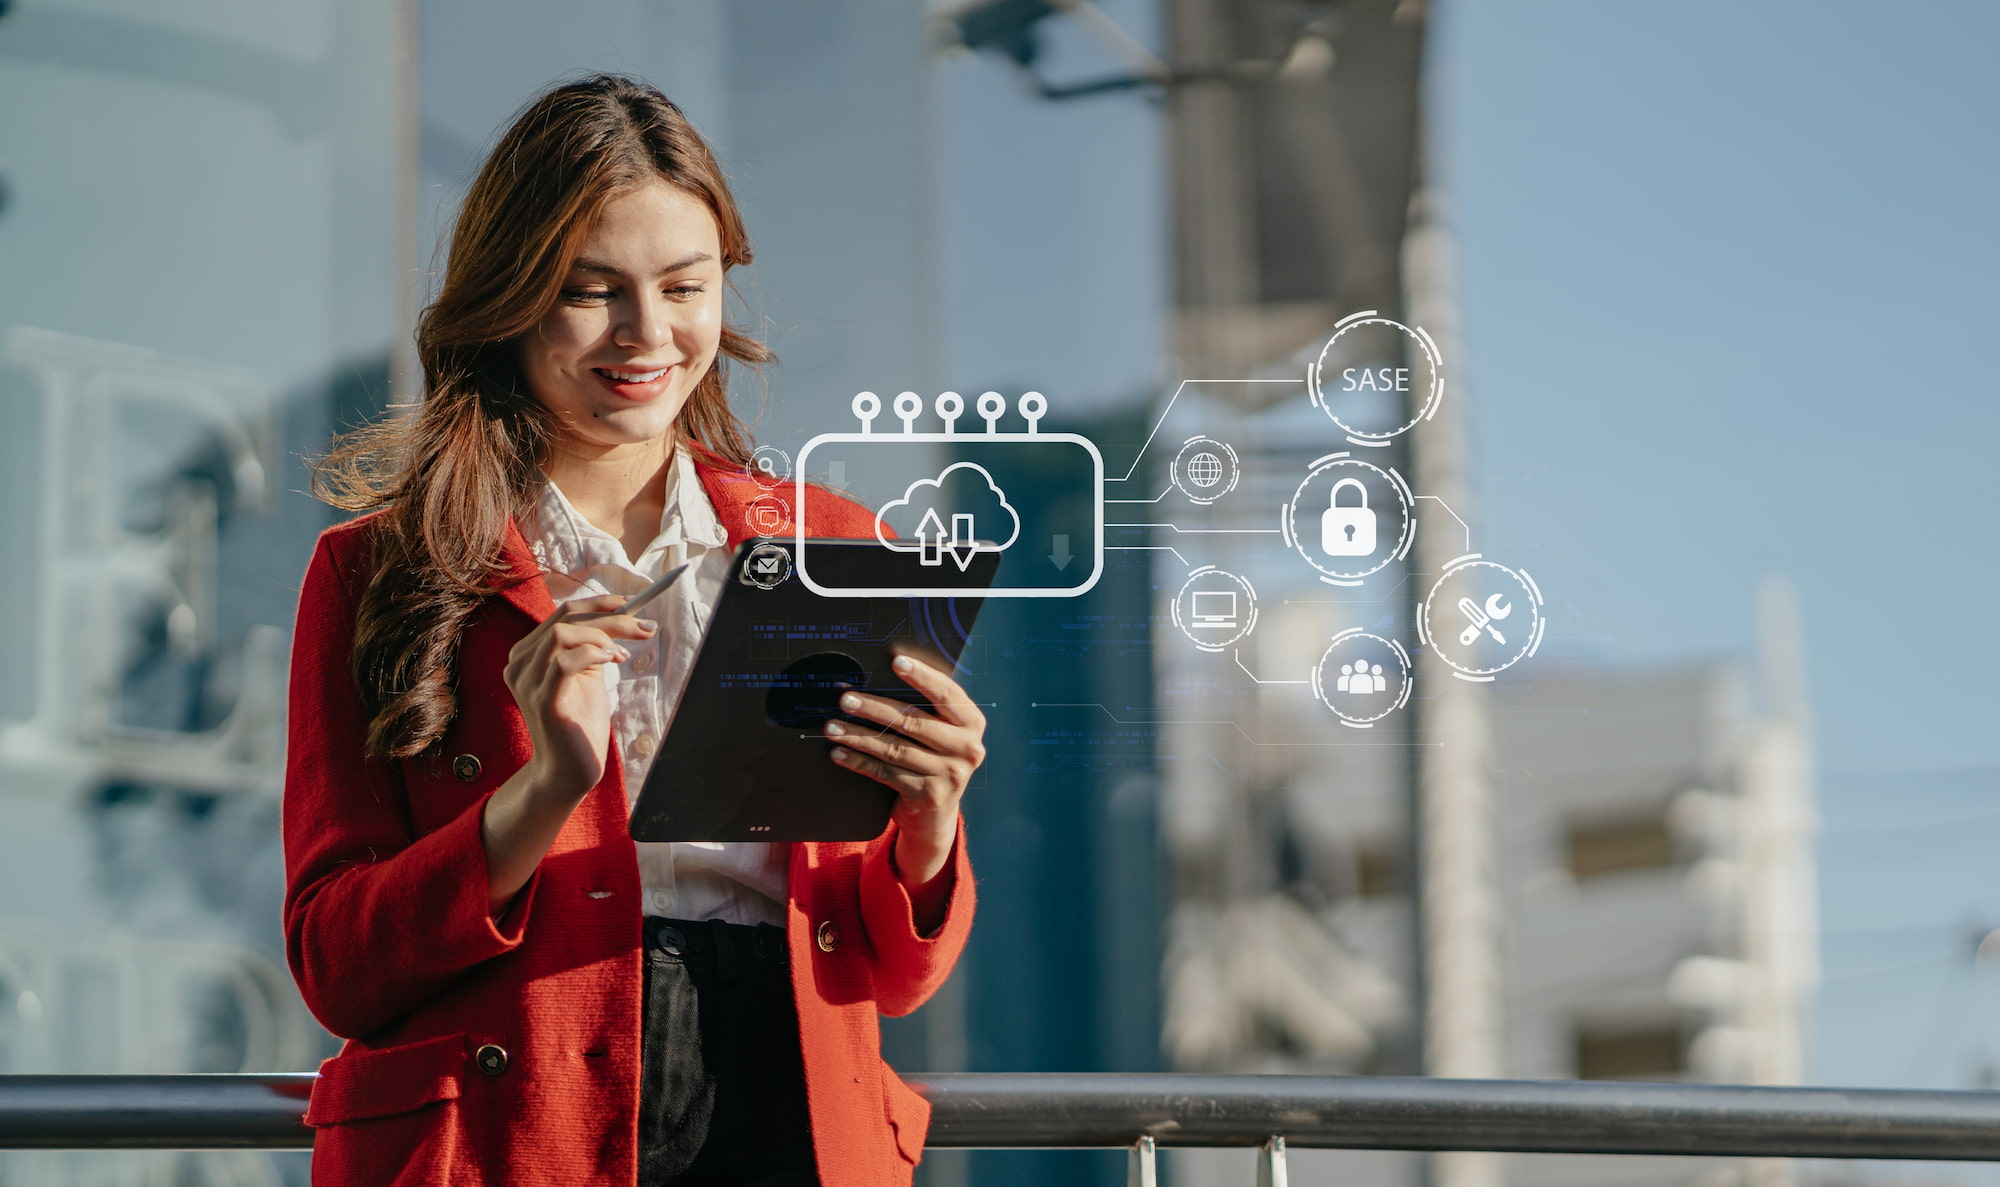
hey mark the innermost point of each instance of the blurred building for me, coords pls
(1658, 878)
(1572, 873)
(199, 275)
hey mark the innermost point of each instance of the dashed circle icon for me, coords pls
(768, 466)
(1205, 469)
(1481, 617)
(767, 515)
(1376, 378)
(1215, 608)
(1362, 677)
(1349, 518)
(766, 566)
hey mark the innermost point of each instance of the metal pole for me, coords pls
(1422, 1113)
(1144, 1112)
(1458, 899)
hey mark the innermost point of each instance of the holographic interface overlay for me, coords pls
(1353, 522)
(1033, 498)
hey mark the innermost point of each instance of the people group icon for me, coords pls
(1361, 678)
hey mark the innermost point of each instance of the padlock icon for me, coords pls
(1347, 531)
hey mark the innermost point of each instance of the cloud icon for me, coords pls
(960, 514)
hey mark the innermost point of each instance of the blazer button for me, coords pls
(829, 936)
(466, 767)
(492, 1059)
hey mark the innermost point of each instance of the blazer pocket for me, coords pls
(909, 1116)
(360, 1083)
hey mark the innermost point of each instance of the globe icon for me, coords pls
(1204, 469)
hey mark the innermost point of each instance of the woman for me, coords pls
(528, 997)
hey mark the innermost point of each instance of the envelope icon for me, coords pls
(767, 563)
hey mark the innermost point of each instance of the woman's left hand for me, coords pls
(926, 758)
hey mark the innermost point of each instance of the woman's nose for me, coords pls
(647, 326)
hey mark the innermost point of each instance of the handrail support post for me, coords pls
(1143, 1166)
(1271, 1162)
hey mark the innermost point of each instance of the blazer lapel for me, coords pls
(731, 491)
(522, 582)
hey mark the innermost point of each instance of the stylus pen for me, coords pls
(645, 595)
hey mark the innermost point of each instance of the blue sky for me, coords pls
(1730, 282)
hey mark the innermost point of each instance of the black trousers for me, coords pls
(722, 1086)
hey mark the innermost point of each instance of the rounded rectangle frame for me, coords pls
(1096, 550)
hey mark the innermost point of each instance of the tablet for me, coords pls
(744, 757)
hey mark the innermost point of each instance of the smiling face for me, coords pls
(636, 326)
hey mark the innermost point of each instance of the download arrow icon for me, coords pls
(1062, 555)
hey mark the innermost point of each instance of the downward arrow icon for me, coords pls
(1061, 556)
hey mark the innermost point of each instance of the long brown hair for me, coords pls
(453, 474)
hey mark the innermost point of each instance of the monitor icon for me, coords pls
(1213, 608)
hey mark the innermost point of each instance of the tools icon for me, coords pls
(1483, 619)
(1481, 594)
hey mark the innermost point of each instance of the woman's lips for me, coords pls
(633, 384)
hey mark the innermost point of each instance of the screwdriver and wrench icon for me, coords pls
(1483, 620)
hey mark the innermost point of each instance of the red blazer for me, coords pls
(483, 1051)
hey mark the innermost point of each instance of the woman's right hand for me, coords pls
(556, 674)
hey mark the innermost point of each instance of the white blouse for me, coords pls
(737, 882)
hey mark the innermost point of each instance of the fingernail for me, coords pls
(902, 663)
(842, 755)
(648, 625)
(850, 702)
(834, 729)
(619, 653)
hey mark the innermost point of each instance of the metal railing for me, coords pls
(1145, 1112)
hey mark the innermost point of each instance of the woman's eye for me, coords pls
(585, 296)
(686, 291)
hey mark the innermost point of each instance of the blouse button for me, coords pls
(643, 662)
(467, 768)
(492, 1059)
(644, 745)
(828, 937)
